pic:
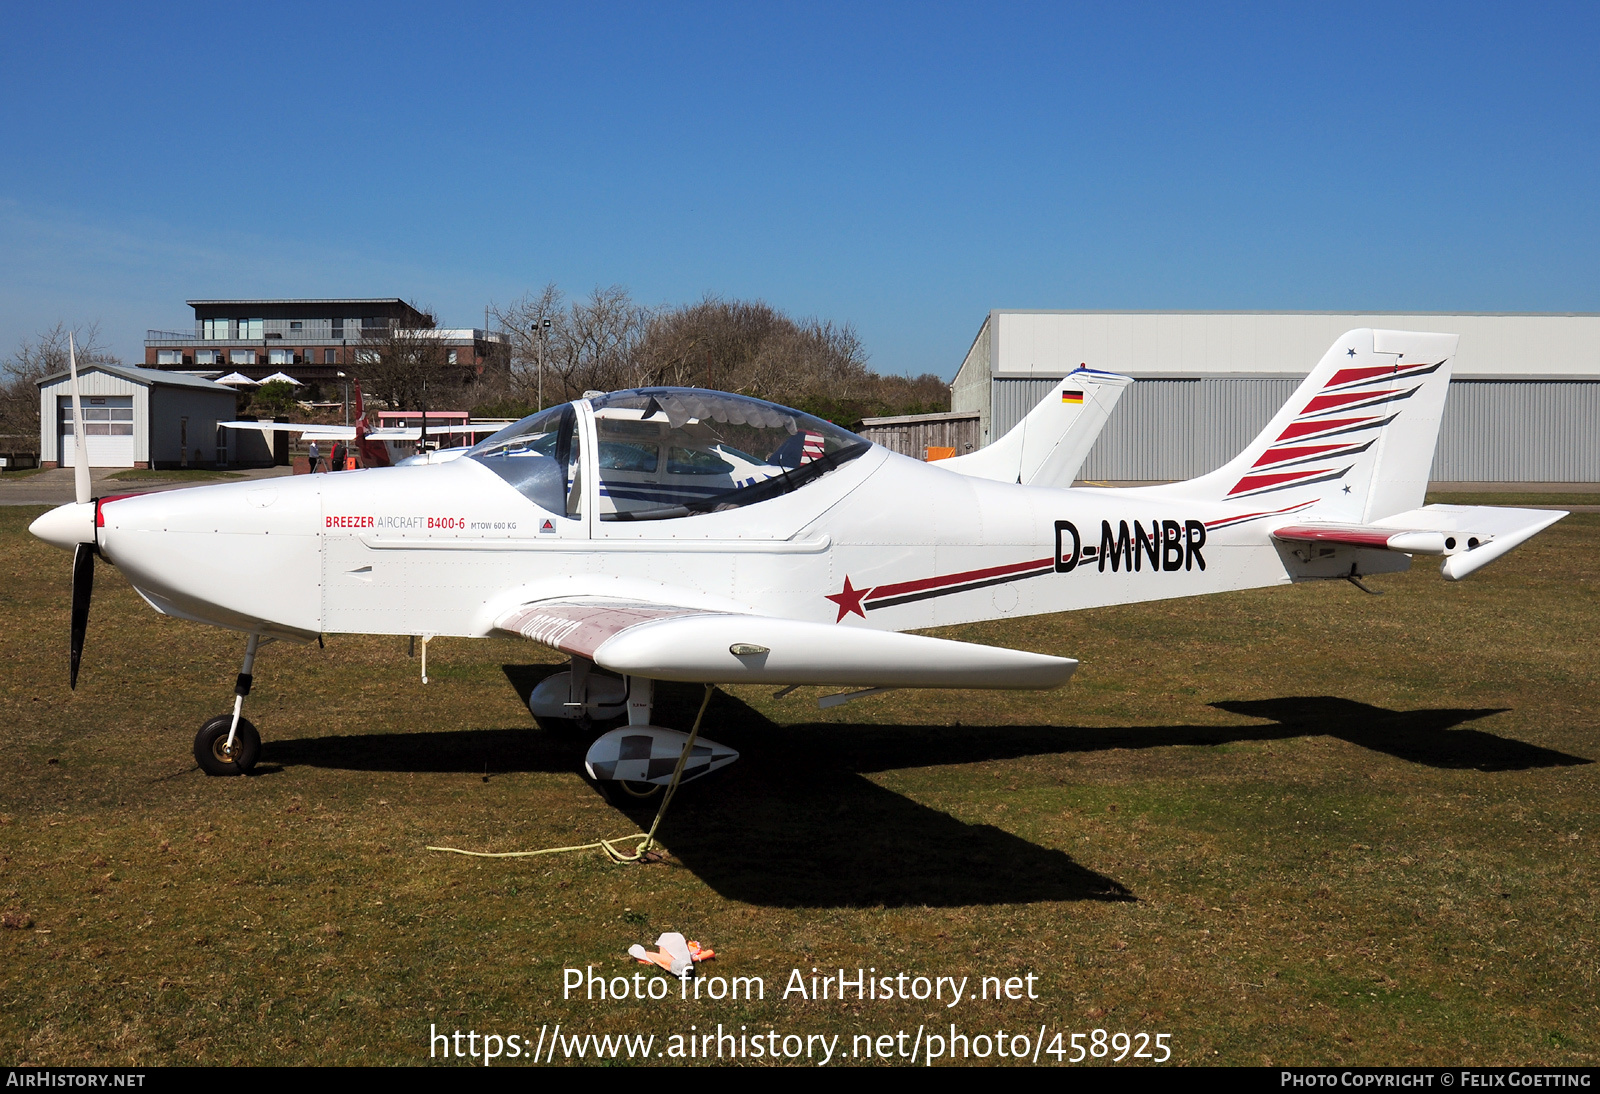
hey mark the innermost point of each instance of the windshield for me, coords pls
(677, 452)
(540, 457)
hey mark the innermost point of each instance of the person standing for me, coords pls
(313, 452)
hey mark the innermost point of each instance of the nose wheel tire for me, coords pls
(215, 757)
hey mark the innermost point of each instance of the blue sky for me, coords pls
(901, 168)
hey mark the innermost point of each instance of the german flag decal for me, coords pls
(1071, 395)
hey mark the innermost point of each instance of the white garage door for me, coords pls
(107, 427)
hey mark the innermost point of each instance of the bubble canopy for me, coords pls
(666, 452)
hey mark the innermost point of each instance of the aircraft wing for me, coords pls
(1468, 536)
(413, 432)
(309, 432)
(664, 642)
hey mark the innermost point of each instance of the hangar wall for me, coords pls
(1493, 431)
(170, 435)
(92, 382)
(1521, 407)
(160, 403)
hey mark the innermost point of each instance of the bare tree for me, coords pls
(603, 337)
(527, 325)
(590, 344)
(755, 349)
(33, 361)
(607, 342)
(409, 367)
(709, 344)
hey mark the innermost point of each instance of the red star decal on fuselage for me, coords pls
(849, 600)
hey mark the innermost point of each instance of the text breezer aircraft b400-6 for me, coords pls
(690, 535)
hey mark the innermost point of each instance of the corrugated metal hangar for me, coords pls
(134, 417)
(1523, 406)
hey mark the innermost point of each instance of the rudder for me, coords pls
(1356, 440)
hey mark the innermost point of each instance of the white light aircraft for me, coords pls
(671, 534)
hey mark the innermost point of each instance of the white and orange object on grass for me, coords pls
(674, 953)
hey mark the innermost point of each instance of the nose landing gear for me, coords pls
(228, 744)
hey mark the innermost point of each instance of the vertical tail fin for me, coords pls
(1356, 440)
(373, 453)
(1048, 446)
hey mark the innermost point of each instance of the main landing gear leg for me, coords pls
(229, 744)
(641, 695)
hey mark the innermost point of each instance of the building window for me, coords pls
(105, 416)
(295, 324)
(219, 329)
(242, 356)
(330, 357)
(169, 356)
(250, 329)
(280, 357)
(338, 328)
(452, 356)
(207, 357)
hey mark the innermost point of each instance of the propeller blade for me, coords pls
(80, 443)
(82, 589)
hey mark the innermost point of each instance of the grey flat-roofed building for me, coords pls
(1522, 407)
(311, 340)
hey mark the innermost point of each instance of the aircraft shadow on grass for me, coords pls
(797, 824)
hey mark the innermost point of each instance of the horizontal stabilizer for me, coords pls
(670, 643)
(1467, 536)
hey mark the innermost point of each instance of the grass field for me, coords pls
(1296, 825)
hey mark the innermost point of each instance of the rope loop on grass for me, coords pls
(609, 846)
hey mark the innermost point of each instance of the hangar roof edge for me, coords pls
(1291, 311)
(146, 377)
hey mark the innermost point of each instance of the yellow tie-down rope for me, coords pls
(609, 846)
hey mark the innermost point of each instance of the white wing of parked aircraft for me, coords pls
(308, 431)
(312, 432)
(690, 535)
(384, 447)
